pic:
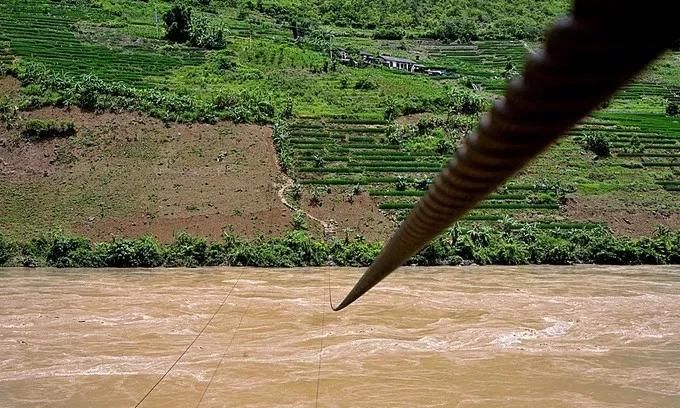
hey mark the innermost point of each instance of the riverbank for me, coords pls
(507, 244)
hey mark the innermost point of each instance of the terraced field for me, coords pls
(358, 156)
(648, 141)
(40, 32)
(488, 62)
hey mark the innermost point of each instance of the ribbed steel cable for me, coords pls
(586, 57)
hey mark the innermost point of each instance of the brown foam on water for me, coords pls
(449, 337)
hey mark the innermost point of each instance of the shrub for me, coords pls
(552, 250)
(89, 92)
(281, 138)
(8, 111)
(503, 252)
(422, 184)
(43, 129)
(187, 251)
(315, 198)
(6, 250)
(355, 252)
(204, 34)
(457, 29)
(246, 106)
(597, 143)
(34, 252)
(71, 252)
(509, 243)
(319, 161)
(672, 109)
(389, 33)
(178, 24)
(305, 250)
(224, 62)
(299, 221)
(365, 84)
(287, 112)
(401, 183)
(466, 102)
(437, 252)
(392, 110)
(445, 146)
(296, 191)
(143, 252)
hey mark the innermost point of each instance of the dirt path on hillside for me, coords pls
(282, 196)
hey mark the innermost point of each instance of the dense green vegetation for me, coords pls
(48, 88)
(452, 20)
(125, 41)
(511, 244)
(38, 129)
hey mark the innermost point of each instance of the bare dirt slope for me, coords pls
(360, 216)
(620, 218)
(128, 175)
(9, 86)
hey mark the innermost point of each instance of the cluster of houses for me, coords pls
(396, 63)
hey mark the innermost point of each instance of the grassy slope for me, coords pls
(121, 41)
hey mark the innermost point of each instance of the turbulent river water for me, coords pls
(426, 337)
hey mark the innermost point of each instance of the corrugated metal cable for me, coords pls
(586, 57)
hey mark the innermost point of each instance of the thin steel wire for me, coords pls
(190, 344)
(224, 353)
(323, 320)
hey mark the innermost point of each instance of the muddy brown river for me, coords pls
(435, 337)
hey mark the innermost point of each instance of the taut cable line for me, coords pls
(190, 344)
(224, 353)
(323, 321)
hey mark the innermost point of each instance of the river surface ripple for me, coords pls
(537, 336)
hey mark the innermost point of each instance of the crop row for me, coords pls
(360, 121)
(314, 133)
(661, 164)
(353, 146)
(349, 182)
(436, 166)
(353, 170)
(356, 129)
(336, 150)
(394, 179)
(98, 55)
(418, 193)
(646, 146)
(662, 155)
(643, 141)
(625, 133)
(483, 205)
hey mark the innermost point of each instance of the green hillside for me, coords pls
(340, 127)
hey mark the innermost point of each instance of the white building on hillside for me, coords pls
(402, 64)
